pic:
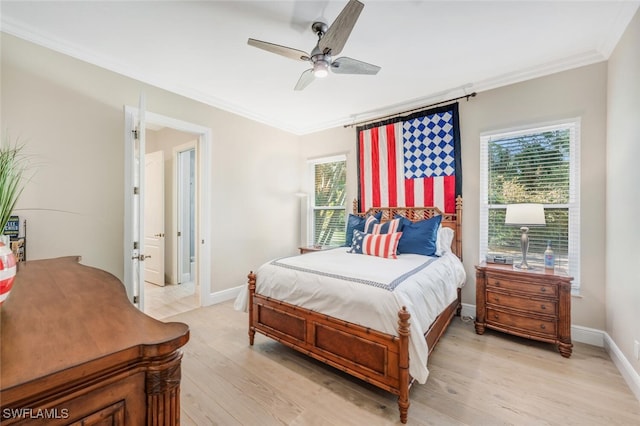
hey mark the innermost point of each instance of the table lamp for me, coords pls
(525, 216)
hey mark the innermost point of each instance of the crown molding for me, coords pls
(586, 58)
(542, 70)
(626, 12)
(32, 35)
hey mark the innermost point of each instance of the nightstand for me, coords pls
(533, 303)
(309, 249)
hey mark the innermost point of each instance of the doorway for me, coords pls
(134, 185)
(176, 288)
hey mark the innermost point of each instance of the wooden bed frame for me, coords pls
(375, 357)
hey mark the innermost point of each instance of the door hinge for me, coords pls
(135, 133)
(135, 299)
(179, 234)
(136, 190)
(135, 245)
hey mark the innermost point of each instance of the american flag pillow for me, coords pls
(381, 245)
(373, 226)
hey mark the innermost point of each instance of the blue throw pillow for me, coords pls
(356, 222)
(419, 237)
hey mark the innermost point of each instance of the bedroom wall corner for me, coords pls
(623, 197)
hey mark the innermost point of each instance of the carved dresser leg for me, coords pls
(565, 349)
(163, 391)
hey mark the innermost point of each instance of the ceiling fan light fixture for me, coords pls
(331, 41)
(320, 69)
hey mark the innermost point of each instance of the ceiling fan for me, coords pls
(331, 40)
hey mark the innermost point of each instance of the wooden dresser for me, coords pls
(535, 304)
(75, 351)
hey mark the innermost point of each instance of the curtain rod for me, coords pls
(470, 95)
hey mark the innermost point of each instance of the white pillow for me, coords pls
(445, 238)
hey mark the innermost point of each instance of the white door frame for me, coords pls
(134, 146)
(203, 219)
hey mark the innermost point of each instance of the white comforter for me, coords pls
(367, 290)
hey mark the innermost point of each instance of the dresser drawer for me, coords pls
(522, 322)
(536, 289)
(542, 306)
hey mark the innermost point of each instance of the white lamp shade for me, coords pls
(526, 214)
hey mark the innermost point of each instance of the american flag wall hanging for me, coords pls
(411, 161)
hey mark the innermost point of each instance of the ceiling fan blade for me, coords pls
(336, 36)
(305, 79)
(279, 50)
(346, 65)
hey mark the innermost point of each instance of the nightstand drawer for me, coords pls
(542, 306)
(534, 303)
(522, 322)
(539, 289)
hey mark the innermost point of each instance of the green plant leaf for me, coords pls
(13, 167)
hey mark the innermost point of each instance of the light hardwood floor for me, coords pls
(492, 379)
(164, 301)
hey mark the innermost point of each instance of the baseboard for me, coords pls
(593, 337)
(468, 311)
(629, 374)
(224, 295)
(590, 336)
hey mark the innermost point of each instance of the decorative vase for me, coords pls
(7, 271)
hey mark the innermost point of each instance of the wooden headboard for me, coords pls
(450, 220)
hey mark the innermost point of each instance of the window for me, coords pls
(534, 165)
(328, 201)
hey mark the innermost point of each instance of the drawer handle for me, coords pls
(496, 316)
(543, 289)
(497, 284)
(542, 326)
(543, 307)
(496, 299)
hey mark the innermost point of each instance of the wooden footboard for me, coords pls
(375, 357)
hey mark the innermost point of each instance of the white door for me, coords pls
(154, 217)
(134, 253)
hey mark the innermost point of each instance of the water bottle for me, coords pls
(549, 258)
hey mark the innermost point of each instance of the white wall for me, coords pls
(71, 114)
(580, 92)
(577, 93)
(623, 195)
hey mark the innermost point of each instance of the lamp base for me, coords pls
(523, 265)
(524, 245)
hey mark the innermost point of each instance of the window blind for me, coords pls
(328, 208)
(535, 165)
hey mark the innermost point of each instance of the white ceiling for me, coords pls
(428, 50)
